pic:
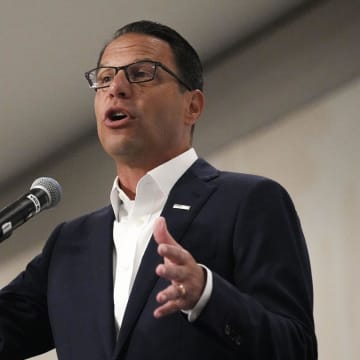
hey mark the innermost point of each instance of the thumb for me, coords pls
(161, 233)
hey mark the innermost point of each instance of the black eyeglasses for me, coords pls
(137, 72)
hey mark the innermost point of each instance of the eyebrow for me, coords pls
(135, 61)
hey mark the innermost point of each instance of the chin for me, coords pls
(123, 151)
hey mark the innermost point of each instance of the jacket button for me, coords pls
(237, 340)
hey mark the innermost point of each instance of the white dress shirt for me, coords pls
(133, 227)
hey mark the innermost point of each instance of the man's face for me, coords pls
(158, 114)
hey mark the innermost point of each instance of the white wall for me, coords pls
(314, 153)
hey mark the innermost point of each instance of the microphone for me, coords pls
(44, 193)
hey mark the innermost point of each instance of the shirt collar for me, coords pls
(164, 176)
(167, 174)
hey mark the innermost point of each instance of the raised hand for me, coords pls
(187, 278)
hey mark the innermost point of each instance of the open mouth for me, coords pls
(115, 116)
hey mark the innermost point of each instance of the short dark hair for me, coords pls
(187, 60)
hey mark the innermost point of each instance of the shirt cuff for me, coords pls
(194, 313)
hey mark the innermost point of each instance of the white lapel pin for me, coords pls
(182, 207)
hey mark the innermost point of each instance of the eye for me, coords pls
(141, 72)
(105, 76)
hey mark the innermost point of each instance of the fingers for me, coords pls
(171, 272)
(168, 247)
(166, 309)
(174, 254)
(186, 277)
(172, 293)
(173, 298)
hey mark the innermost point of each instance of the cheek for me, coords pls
(166, 106)
(97, 106)
(100, 99)
(99, 113)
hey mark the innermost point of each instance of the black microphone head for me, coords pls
(51, 187)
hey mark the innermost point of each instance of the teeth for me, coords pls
(117, 116)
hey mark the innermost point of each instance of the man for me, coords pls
(223, 273)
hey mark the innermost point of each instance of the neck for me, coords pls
(129, 178)
(130, 173)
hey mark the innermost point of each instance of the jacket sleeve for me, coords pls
(24, 323)
(263, 310)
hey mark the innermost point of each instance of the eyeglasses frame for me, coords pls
(125, 67)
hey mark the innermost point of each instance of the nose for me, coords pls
(120, 86)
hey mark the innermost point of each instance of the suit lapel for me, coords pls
(100, 238)
(192, 190)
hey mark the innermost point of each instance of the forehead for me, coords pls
(132, 47)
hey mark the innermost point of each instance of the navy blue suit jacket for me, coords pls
(242, 227)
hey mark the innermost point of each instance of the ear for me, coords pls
(195, 105)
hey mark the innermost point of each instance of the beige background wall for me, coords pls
(314, 153)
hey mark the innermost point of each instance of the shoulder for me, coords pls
(234, 180)
(95, 218)
(72, 233)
